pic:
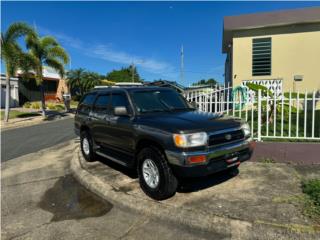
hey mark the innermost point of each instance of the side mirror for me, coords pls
(121, 111)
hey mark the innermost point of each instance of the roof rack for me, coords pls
(128, 84)
(120, 84)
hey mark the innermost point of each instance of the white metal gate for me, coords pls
(291, 115)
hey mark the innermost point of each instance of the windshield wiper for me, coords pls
(166, 105)
(155, 110)
(181, 109)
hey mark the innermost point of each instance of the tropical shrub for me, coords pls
(35, 105)
(27, 105)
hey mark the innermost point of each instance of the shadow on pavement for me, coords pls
(130, 172)
(188, 185)
(53, 115)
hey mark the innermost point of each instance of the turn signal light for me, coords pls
(197, 159)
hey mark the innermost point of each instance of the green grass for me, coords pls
(19, 114)
(74, 104)
(311, 190)
(308, 202)
(266, 160)
(311, 187)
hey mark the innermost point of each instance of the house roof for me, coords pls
(267, 19)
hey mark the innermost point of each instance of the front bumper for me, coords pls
(218, 158)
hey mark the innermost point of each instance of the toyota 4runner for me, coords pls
(157, 131)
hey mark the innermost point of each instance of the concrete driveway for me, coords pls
(248, 204)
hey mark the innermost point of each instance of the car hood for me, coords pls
(190, 121)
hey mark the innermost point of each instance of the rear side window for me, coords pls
(86, 104)
(102, 103)
(88, 99)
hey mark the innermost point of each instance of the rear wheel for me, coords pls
(155, 175)
(87, 146)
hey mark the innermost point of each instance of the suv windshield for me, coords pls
(159, 101)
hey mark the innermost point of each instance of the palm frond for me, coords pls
(17, 30)
(27, 64)
(58, 53)
(53, 63)
(48, 41)
(33, 44)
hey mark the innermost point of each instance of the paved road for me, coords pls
(21, 141)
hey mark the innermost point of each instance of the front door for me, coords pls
(121, 127)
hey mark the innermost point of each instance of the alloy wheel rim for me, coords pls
(85, 146)
(150, 173)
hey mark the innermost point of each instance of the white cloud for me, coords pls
(109, 53)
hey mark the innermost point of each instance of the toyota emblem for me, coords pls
(228, 137)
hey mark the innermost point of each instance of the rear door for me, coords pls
(100, 116)
(82, 116)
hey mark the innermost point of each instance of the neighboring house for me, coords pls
(53, 84)
(280, 49)
(14, 86)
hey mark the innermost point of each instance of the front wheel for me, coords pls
(155, 175)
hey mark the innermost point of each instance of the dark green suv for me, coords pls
(157, 131)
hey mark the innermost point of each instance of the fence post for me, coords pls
(259, 115)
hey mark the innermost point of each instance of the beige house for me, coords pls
(280, 50)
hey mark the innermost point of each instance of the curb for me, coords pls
(237, 229)
(224, 227)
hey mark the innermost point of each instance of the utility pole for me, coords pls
(182, 66)
(132, 77)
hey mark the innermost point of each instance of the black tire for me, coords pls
(168, 183)
(91, 156)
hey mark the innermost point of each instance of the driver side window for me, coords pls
(119, 100)
(102, 104)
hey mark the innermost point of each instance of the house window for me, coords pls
(261, 56)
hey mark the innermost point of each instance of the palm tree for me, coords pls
(75, 78)
(90, 80)
(46, 51)
(11, 54)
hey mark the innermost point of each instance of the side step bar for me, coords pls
(112, 159)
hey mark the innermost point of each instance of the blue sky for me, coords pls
(101, 36)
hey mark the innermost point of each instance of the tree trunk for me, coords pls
(80, 87)
(7, 103)
(43, 101)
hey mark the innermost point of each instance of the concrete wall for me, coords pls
(14, 92)
(295, 51)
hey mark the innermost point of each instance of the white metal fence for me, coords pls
(291, 115)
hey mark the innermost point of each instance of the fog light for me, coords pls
(197, 159)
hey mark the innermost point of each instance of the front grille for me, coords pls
(226, 137)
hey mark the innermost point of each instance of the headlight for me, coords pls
(190, 140)
(246, 129)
